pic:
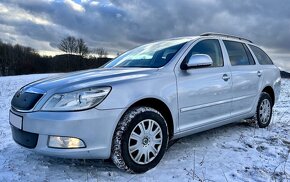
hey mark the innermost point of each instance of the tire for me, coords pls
(264, 110)
(125, 137)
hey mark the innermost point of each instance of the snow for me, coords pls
(236, 152)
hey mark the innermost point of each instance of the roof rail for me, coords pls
(224, 35)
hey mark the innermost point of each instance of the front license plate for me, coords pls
(15, 120)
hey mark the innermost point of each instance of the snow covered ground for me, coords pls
(236, 152)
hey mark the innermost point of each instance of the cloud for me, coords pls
(74, 6)
(118, 25)
(94, 3)
(20, 15)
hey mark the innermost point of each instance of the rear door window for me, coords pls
(237, 53)
(262, 57)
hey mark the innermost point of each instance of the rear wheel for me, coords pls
(140, 140)
(264, 110)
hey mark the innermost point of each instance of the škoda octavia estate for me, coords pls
(133, 106)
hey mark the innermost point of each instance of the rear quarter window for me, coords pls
(261, 56)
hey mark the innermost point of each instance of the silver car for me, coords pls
(133, 106)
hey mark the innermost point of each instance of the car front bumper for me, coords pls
(94, 127)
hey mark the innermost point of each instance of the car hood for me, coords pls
(88, 78)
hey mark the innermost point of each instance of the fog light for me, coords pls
(65, 142)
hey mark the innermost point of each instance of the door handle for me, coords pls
(226, 77)
(259, 73)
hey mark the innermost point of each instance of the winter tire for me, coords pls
(140, 140)
(264, 110)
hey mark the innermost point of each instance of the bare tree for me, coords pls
(82, 48)
(101, 52)
(68, 45)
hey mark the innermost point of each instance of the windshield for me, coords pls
(153, 55)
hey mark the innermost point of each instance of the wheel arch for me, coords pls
(270, 91)
(159, 106)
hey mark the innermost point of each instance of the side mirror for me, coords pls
(198, 60)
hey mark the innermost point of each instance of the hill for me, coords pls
(19, 60)
(69, 62)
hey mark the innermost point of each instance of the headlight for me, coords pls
(77, 100)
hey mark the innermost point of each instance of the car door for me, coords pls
(204, 93)
(245, 77)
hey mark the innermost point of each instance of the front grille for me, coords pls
(23, 138)
(25, 100)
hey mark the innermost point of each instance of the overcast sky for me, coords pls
(118, 25)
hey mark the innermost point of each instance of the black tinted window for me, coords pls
(237, 53)
(262, 57)
(210, 47)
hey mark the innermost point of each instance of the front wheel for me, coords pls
(140, 140)
(264, 110)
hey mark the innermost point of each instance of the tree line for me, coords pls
(18, 59)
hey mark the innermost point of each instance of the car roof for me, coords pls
(212, 35)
